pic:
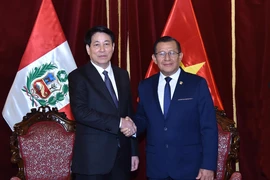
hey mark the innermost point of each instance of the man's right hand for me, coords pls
(128, 127)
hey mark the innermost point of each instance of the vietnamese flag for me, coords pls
(182, 25)
(42, 75)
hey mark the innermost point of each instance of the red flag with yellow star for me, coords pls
(182, 25)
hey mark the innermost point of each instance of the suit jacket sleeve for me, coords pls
(208, 126)
(140, 118)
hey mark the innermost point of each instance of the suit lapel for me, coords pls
(178, 90)
(94, 77)
(117, 78)
(155, 93)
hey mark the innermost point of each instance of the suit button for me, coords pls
(165, 128)
(167, 146)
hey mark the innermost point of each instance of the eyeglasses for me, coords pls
(172, 54)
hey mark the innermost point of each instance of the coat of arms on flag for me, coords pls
(46, 85)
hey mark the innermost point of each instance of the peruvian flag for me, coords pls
(42, 75)
(182, 25)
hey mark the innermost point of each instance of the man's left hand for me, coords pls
(205, 174)
(134, 163)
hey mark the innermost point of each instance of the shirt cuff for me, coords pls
(120, 123)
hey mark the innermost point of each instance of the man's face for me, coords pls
(100, 49)
(167, 57)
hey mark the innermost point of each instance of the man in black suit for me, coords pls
(100, 99)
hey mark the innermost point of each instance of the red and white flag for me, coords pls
(182, 25)
(42, 75)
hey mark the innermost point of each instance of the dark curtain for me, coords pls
(143, 21)
(253, 86)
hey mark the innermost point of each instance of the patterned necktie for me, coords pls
(167, 96)
(110, 88)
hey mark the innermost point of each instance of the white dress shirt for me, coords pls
(110, 74)
(162, 83)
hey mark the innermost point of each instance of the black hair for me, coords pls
(95, 29)
(166, 39)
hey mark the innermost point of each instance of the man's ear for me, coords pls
(154, 58)
(181, 56)
(87, 47)
(113, 46)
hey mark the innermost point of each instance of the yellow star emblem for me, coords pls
(193, 68)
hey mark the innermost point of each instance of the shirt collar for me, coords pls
(100, 69)
(173, 76)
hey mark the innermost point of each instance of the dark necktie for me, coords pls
(167, 96)
(110, 88)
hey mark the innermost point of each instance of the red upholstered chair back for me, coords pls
(42, 145)
(228, 146)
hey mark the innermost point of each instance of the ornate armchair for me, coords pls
(228, 148)
(42, 145)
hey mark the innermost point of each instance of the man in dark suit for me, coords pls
(100, 99)
(177, 112)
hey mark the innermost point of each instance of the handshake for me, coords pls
(128, 127)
